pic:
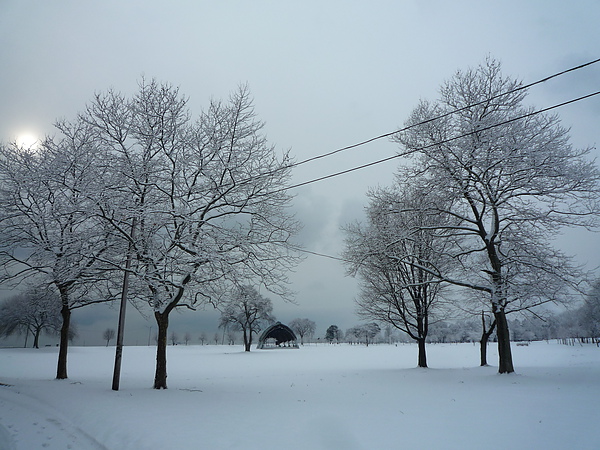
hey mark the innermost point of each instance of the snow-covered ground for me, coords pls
(318, 397)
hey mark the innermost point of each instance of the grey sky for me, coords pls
(324, 74)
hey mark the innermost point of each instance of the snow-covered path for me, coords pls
(318, 397)
(25, 423)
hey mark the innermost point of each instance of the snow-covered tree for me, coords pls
(31, 312)
(303, 327)
(47, 226)
(590, 314)
(202, 204)
(396, 255)
(247, 311)
(512, 180)
(364, 333)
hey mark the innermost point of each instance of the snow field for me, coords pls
(317, 397)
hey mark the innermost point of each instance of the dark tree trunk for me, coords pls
(504, 352)
(422, 328)
(485, 337)
(483, 350)
(36, 338)
(247, 340)
(422, 352)
(61, 371)
(162, 320)
(160, 377)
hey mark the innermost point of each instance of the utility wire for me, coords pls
(389, 158)
(514, 119)
(543, 80)
(381, 136)
(391, 133)
(310, 252)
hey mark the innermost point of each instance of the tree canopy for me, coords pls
(510, 181)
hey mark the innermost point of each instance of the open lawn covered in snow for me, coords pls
(317, 397)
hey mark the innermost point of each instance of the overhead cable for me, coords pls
(400, 130)
(454, 111)
(389, 158)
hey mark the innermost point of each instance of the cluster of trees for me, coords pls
(470, 224)
(32, 312)
(250, 312)
(135, 199)
(574, 325)
(247, 311)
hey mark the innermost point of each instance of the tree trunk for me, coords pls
(422, 328)
(422, 353)
(36, 338)
(162, 320)
(483, 350)
(61, 371)
(160, 377)
(504, 352)
(485, 337)
(247, 341)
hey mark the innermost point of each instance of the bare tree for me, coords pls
(231, 336)
(187, 337)
(48, 230)
(590, 314)
(202, 337)
(364, 333)
(395, 255)
(33, 311)
(174, 338)
(247, 311)
(108, 335)
(303, 327)
(512, 180)
(202, 204)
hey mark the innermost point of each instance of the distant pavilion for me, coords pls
(277, 335)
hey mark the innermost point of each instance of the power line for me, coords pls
(385, 135)
(389, 158)
(337, 258)
(310, 252)
(514, 119)
(391, 133)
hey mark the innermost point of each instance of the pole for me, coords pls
(121, 328)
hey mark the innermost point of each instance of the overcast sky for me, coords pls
(324, 74)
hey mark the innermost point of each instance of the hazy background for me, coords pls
(324, 74)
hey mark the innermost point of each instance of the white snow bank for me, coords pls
(318, 397)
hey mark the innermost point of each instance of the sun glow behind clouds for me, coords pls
(27, 140)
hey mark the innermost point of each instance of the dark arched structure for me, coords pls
(277, 335)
